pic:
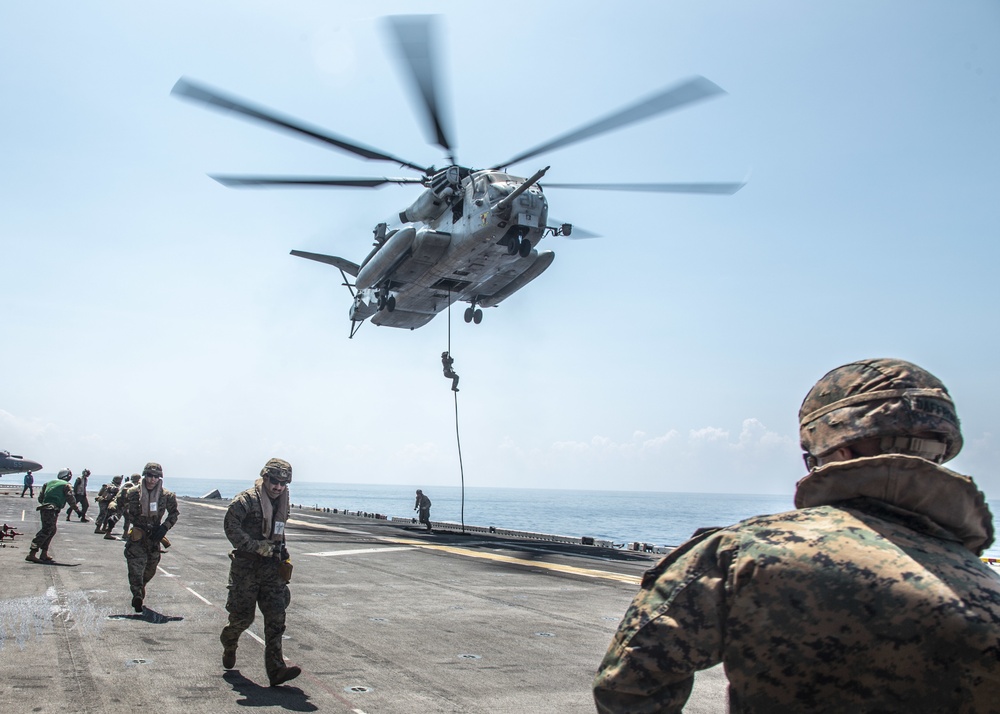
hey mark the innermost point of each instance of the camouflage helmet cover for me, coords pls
(152, 469)
(116, 479)
(135, 478)
(65, 474)
(877, 398)
(279, 469)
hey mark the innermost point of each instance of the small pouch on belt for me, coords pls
(285, 571)
(136, 533)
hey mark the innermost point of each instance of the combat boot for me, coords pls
(31, 557)
(45, 557)
(284, 674)
(137, 603)
(229, 657)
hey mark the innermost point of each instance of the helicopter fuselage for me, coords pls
(470, 240)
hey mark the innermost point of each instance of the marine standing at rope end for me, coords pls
(446, 362)
(424, 504)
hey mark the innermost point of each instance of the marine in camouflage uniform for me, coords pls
(870, 597)
(54, 495)
(145, 505)
(260, 569)
(424, 505)
(117, 510)
(104, 498)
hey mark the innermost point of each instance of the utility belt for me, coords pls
(137, 533)
(284, 566)
(244, 555)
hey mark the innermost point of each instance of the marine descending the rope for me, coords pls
(446, 361)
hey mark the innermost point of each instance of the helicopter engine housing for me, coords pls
(410, 251)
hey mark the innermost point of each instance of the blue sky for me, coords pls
(151, 314)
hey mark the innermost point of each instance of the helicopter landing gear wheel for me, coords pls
(477, 316)
(390, 303)
(468, 314)
(524, 248)
(514, 246)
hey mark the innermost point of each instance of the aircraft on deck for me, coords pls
(14, 464)
(471, 236)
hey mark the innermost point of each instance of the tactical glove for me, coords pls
(264, 548)
(158, 533)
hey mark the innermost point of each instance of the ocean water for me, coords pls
(621, 516)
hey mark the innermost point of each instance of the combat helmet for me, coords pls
(152, 469)
(888, 399)
(116, 480)
(278, 469)
(65, 474)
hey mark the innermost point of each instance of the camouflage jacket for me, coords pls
(107, 493)
(244, 523)
(116, 504)
(869, 598)
(130, 504)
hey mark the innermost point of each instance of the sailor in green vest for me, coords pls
(53, 498)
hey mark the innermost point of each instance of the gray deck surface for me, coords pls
(383, 619)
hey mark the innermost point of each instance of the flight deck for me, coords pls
(384, 617)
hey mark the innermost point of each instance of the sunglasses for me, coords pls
(277, 481)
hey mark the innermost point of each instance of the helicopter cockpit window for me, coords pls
(500, 186)
(479, 187)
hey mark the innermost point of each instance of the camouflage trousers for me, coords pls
(42, 539)
(102, 514)
(141, 557)
(254, 582)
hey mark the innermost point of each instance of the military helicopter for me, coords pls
(472, 234)
(14, 464)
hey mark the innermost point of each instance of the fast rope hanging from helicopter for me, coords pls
(446, 363)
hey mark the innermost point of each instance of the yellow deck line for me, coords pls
(557, 567)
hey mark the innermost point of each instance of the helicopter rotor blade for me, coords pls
(413, 41)
(186, 89)
(719, 188)
(675, 97)
(309, 181)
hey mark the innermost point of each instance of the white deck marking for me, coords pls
(358, 551)
(207, 602)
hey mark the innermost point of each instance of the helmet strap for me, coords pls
(930, 449)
